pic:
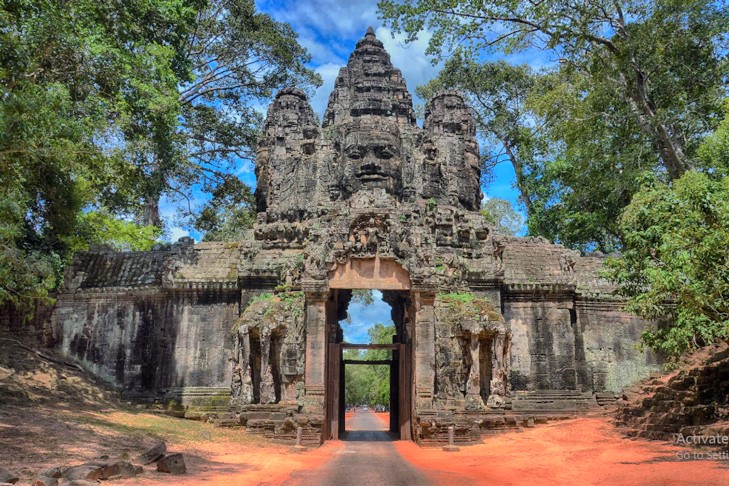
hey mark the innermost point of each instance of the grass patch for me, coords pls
(169, 429)
(467, 304)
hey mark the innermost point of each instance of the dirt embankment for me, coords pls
(691, 402)
(52, 414)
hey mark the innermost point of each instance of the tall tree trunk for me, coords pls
(153, 192)
(664, 135)
(150, 214)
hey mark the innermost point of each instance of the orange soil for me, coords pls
(384, 417)
(581, 451)
(52, 416)
(39, 437)
(218, 464)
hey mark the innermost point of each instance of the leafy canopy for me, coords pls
(106, 107)
(638, 87)
(369, 384)
(675, 265)
(501, 214)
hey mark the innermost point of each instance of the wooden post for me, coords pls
(333, 389)
(405, 392)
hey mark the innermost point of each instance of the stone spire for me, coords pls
(286, 153)
(452, 171)
(369, 86)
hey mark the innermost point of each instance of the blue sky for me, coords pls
(364, 317)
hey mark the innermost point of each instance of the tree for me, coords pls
(106, 106)
(234, 59)
(714, 150)
(598, 153)
(229, 214)
(501, 214)
(675, 265)
(580, 133)
(663, 56)
(67, 72)
(363, 297)
(370, 384)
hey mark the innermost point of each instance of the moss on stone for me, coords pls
(468, 305)
(273, 307)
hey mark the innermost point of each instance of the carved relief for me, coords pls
(269, 359)
(369, 236)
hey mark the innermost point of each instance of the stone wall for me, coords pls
(156, 325)
(609, 340)
(543, 344)
(150, 343)
(35, 328)
(692, 402)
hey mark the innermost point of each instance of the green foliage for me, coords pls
(501, 214)
(714, 150)
(599, 152)
(638, 87)
(108, 106)
(363, 297)
(101, 228)
(498, 93)
(675, 265)
(281, 304)
(68, 75)
(229, 214)
(238, 57)
(369, 384)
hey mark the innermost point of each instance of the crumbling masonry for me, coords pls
(492, 331)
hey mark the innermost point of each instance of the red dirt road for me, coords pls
(583, 451)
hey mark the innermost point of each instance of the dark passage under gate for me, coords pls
(400, 389)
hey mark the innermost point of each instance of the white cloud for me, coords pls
(176, 233)
(410, 58)
(322, 53)
(364, 317)
(332, 18)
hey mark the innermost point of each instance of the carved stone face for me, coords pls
(374, 159)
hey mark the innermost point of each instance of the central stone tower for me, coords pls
(368, 147)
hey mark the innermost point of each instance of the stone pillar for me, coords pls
(473, 384)
(243, 368)
(424, 343)
(500, 371)
(267, 390)
(316, 342)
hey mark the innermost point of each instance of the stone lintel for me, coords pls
(369, 273)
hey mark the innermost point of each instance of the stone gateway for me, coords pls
(492, 331)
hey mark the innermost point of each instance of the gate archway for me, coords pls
(394, 282)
